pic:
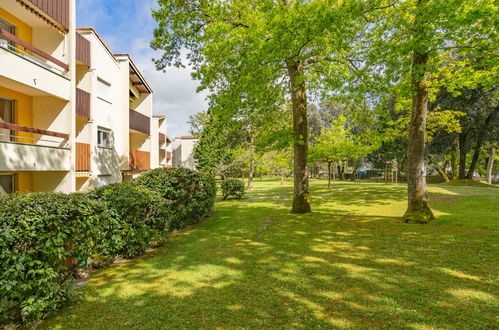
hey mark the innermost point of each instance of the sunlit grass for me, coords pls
(350, 264)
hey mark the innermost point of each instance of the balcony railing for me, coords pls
(82, 49)
(8, 134)
(140, 160)
(82, 103)
(140, 122)
(82, 157)
(9, 36)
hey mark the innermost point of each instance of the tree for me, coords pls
(412, 41)
(197, 122)
(246, 47)
(336, 144)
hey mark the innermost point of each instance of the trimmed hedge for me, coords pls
(233, 188)
(140, 217)
(191, 194)
(40, 233)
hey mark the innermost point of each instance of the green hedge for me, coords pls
(140, 217)
(40, 234)
(191, 194)
(234, 188)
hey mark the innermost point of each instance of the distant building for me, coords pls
(183, 152)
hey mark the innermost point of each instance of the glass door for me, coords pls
(6, 116)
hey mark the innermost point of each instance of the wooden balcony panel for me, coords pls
(168, 156)
(139, 122)
(33, 49)
(82, 103)
(162, 138)
(82, 157)
(162, 153)
(140, 160)
(83, 49)
(58, 10)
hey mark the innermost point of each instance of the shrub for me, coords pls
(191, 194)
(232, 188)
(140, 217)
(40, 234)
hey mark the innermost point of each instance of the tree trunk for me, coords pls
(251, 162)
(454, 156)
(440, 170)
(482, 134)
(418, 210)
(329, 175)
(490, 163)
(301, 199)
(463, 151)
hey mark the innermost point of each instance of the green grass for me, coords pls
(466, 182)
(350, 264)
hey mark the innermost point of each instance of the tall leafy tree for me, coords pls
(248, 47)
(414, 41)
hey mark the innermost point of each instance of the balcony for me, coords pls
(139, 122)
(162, 153)
(140, 160)
(82, 157)
(162, 138)
(82, 103)
(168, 156)
(31, 149)
(82, 50)
(58, 10)
(31, 70)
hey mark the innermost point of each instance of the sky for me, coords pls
(126, 26)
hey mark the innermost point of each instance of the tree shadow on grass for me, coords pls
(253, 265)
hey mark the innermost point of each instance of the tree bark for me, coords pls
(329, 174)
(301, 199)
(482, 135)
(490, 163)
(463, 152)
(418, 209)
(454, 156)
(251, 162)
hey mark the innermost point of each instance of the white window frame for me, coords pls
(104, 94)
(14, 182)
(108, 132)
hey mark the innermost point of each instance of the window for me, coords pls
(6, 116)
(104, 90)
(103, 137)
(4, 25)
(7, 183)
(103, 180)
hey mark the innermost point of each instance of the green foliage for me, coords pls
(233, 188)
(40, 233)
(189, 195)
(141, 217)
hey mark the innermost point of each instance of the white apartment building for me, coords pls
(183, 152)
(73, 115)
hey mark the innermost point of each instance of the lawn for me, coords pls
(349, 264)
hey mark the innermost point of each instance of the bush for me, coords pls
(41, 233)
(233, 188)
(140, 217)
(191, 194)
